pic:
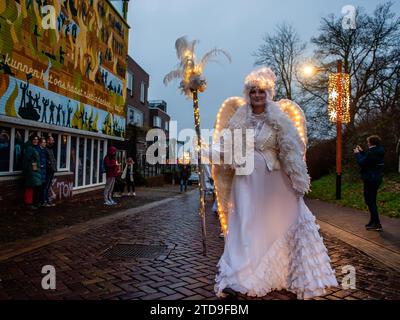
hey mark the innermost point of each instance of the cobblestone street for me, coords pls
(85, 271)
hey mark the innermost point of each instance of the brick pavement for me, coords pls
(83, 272)
(18, 223)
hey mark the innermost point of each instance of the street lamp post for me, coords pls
(338, 109)
(339, 133)
(339, 112)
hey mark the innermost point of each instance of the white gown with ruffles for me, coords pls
(273, 241)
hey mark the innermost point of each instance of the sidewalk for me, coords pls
(86, 270)
(20, 223)
(348, 224)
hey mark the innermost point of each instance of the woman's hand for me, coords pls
(357, 149)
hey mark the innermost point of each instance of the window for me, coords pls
(19, 138)
(60, 148)
(35, 132)
(62, 151)
(73, 155)
(129, 84)
(103, 146)
(142, 92)
(95, 161)
(88, 163)
(119, 6)
(81, 154)
(5, 148)
(135, 117)
(156, 121)
(121, 158)
(166, 124)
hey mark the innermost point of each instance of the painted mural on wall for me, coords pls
(27, 101)
(72, 75)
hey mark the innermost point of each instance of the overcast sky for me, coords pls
(236, 26)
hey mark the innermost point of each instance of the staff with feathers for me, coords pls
(190, 72)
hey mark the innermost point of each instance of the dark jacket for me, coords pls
(184, 174)
(110, 163)
(371, 163)
(43, 162)
(51, 160)
(30, 156)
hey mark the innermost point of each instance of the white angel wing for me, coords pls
(222, 175)
(296, 114)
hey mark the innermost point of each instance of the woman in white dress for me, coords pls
(272, 240)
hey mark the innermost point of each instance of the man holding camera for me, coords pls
(371, 163)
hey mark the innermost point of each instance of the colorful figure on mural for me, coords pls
(29, 110)
(58, 114)
(24, 88)
(45, 102)
(69, 110)
(52, 108)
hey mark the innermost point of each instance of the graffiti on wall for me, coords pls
(72, 71)
(61, 189)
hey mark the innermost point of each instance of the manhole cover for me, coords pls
(122, 250)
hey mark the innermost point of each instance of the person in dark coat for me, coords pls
(183, 178)
(51, 169)
(41, 149)
(371, 163)
(31, 172)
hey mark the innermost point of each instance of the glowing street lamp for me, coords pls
(338, 111)
(308, 70)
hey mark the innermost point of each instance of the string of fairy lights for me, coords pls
(222, 215)
(289, 107)
(297, 115)
(339, 89)
(196, 112)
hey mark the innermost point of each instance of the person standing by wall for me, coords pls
(112, 169)
(31, 172)
(128, 177)
(50, 170)
(371, 163)
(41, 149)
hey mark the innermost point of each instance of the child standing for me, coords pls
(127, 175)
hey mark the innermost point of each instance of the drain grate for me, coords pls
(122, 250)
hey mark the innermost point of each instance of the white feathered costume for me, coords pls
(271, 238)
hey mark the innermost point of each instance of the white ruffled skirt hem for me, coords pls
(297, 262)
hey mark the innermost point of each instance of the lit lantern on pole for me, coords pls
(339, 112)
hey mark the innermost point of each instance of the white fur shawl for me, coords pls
(290, 146)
